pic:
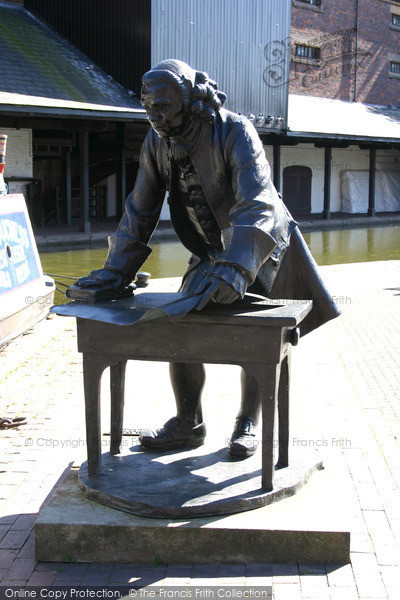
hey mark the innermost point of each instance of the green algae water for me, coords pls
(169, 258)
(364, 244)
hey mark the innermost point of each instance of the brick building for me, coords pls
(341, 150)
(346, 50)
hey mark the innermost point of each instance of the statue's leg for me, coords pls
(243, 442)
(187, 383)
(250, 406)
(187, 428)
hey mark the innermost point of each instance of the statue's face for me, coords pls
(164, 109)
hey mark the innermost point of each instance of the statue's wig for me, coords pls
(199, 94)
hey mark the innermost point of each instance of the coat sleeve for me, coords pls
(127, 248)
(257, 214)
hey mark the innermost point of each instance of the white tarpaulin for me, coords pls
(355, 186)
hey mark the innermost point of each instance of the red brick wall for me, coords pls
(333, 31)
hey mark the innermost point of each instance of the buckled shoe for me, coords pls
(243, 442)
(172, 435)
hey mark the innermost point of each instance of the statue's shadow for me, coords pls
(174, 480)
(197, 482)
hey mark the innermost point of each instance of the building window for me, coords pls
(395, 67)
(396, 20)
(312, 2)
(309, 4)
(303, 51)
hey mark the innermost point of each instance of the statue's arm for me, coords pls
(256, 217)
(257, 214)
(127, 248)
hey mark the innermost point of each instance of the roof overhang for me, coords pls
(325, 119)
(331, 138)
(34, 106)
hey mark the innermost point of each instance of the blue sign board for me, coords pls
(18, 264)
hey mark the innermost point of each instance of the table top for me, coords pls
(146, 306)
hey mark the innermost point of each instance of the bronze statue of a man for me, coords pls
(226, 211)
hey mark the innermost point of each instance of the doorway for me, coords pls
(297, 189)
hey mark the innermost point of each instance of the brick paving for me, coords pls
(346, 375)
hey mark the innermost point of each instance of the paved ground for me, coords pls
(346, 375)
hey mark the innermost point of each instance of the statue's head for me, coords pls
(173, 92)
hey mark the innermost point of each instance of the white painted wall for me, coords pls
(111, 194)
(343, 159)
(346, 159)
(308, 156)
(18, 157)
(388, 160)
(111, 183)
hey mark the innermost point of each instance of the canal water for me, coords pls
(169, 258)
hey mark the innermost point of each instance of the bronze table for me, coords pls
(258, 337)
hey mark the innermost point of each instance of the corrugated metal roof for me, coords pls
(322, 116)
(38, 68)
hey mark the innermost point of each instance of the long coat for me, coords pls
(258, 233)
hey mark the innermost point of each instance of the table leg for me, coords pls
(283, 411)
(93, 367)
(267, 377)
(117, 385)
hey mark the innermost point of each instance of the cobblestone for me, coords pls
(346, 375)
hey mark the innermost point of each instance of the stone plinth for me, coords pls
(310, 526)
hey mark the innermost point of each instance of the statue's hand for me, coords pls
(223, 284)
(103, 278)
(215, 290)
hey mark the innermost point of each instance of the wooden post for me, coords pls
(371, 189)
(121, 170)
(84, 224)
(326, 214)
(67, 186)
(277, 167)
